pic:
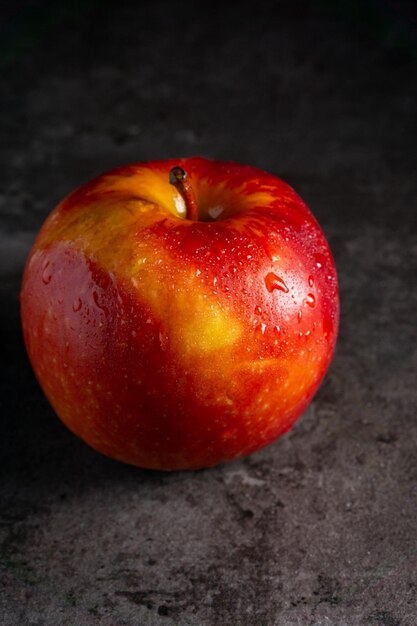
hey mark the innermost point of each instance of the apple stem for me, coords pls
(178, 178)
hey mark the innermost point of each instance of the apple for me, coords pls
(180, 313)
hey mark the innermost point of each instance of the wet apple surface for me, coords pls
(172, 342)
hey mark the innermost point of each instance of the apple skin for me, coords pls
(168, 343)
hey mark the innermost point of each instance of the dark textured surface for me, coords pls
(319, 528)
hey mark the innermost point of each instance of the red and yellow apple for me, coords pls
(180, 313)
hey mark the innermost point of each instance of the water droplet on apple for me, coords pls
(310, 300)
(258, 310)
(263, 328)
(299, 316)
(272, 282)
(77, 305)
(277, 330)
(46, 274)
(98, 303)
(310, 281)
(320, 260)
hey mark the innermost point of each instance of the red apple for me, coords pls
(180, 313)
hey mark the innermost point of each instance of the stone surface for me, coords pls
(320, 527)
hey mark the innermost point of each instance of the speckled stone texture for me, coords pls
(320, 527)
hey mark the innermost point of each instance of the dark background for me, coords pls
(320, 527)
